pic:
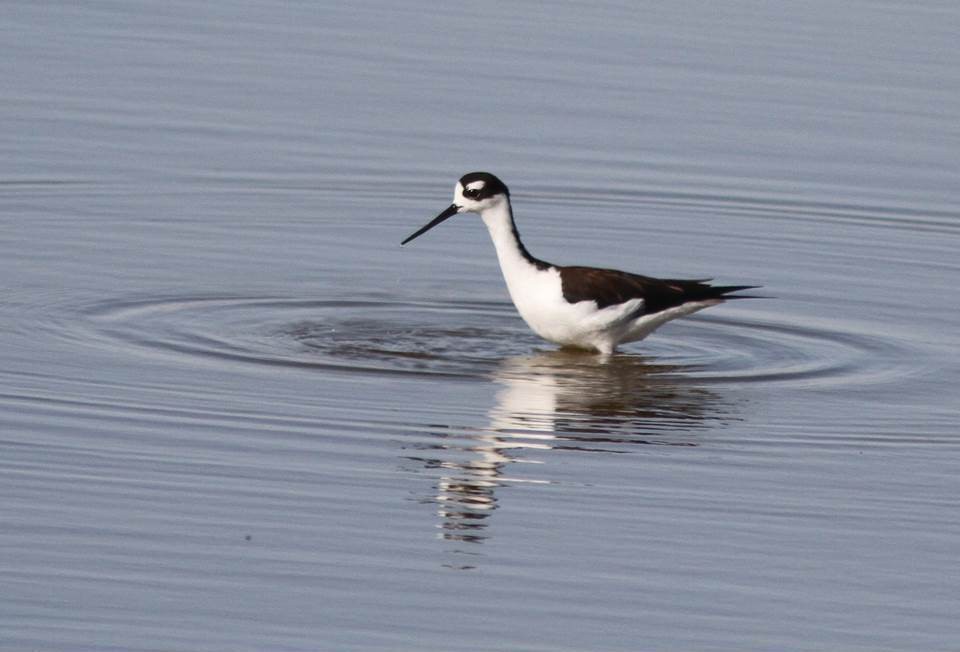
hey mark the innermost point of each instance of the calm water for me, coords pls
(236, 415)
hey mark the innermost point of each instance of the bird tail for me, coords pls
(726, 292)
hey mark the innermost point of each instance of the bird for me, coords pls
(576, 307)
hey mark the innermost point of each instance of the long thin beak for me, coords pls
(450, 211)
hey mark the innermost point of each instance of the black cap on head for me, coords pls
(491, 185)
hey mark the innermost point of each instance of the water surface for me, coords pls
(236, 415)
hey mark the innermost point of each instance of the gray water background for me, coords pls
(236, 415)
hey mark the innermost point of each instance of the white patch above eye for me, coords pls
(475, 185)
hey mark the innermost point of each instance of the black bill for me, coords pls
(450, 211)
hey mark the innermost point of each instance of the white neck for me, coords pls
(510, 251)
(517, 265)
(535, 287)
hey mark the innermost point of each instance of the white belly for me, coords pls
(538, 296)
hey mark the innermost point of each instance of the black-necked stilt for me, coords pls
(582, 307)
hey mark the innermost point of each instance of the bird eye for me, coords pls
(471, 192)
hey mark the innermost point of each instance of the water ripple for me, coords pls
(470, 339)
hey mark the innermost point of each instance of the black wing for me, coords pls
(609, 287)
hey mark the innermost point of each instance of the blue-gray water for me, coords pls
(236, 415)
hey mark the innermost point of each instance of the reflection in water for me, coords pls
(561, 400)
(586, 400)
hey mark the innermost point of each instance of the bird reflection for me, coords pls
(560, 400)
(584, 400)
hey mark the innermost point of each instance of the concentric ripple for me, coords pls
(471, 338)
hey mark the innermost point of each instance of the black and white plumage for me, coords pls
(583, 307)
